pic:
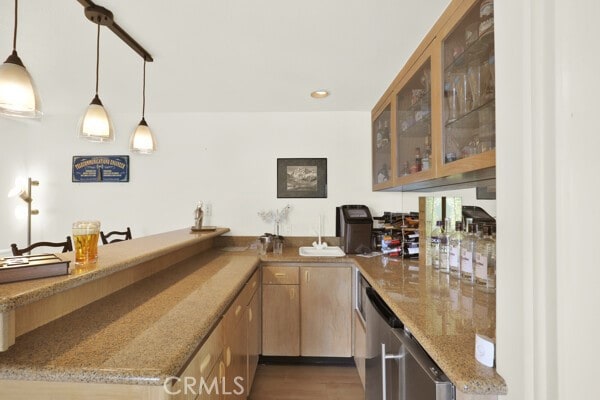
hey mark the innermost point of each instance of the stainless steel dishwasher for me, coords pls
(397, 367)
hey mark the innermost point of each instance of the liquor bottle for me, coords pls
(434, 244)
(485, 262)
(444, 248)
(467, 253)
(454, 249)
(418, 159)
(426, 162)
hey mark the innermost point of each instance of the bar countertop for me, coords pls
(141, 334)
(147, 331)
(111, 259)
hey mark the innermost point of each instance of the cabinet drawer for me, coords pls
(279, 275)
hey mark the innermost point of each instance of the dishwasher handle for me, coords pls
(384, 358)
(383, 309)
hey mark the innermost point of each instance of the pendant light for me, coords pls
(18, 94)
(96, 125)
(142, 140)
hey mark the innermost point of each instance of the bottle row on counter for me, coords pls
(469, 256)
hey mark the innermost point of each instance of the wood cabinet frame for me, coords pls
(464, 172)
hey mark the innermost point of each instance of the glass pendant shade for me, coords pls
(142, 140)
(96, 125)
(18, 94)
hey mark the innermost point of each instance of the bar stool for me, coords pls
(119, 236)
(67, 245)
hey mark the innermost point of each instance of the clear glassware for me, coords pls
(444, 249)
(434, 244)
(485, 262)
(467, 253)
(454, 249)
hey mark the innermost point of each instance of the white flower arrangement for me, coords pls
(276, 217)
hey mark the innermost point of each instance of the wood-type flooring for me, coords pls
(300, 382)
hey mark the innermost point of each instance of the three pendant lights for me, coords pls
(19, 97)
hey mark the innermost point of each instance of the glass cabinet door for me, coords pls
(469, 117)
(382, 149)
(414, 155)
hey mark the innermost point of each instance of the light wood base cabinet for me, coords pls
(307, 310)
(281, 320)
(326, 311)
(239, 354)
(254, 337)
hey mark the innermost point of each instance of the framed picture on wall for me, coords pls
(301, 177)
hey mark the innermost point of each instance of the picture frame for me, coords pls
(100, 168)
(301, 178)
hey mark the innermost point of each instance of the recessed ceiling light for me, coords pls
(319, 94)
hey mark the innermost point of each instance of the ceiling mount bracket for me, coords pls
(99, 15)
(103, 16)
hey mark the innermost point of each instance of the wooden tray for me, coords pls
(204, 229)
(21, 268)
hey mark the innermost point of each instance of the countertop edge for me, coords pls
(50, 286)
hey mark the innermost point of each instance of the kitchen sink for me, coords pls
(333, 251)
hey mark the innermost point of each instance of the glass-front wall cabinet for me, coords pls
(414, 156)
(382, 149)
(468, 119)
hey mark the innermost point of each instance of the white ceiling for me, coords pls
(219, 56)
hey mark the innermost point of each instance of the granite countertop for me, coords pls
(139, 335)
(111, 259)
(129, 336)
(440, 312)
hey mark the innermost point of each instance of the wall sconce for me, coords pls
(23, 190)
(18, 94)
(142, 139)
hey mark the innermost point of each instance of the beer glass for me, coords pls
(85, 238)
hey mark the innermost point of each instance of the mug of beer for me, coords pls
(85, 237)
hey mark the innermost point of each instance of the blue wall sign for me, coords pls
(100, 169)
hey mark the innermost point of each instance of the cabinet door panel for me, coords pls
(382, 150)
(234, 352)
(254, 337)
(326, 311)
(469, 128)
(281, 322)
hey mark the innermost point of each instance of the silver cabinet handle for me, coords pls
(384, 358)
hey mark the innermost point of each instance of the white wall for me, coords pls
(225, 159)
(547, 84)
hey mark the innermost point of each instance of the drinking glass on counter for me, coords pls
(85, 238)
(277, 246)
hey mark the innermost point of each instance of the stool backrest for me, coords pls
(117, 236)
(67, 245)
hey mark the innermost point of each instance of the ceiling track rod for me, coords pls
(103, 16)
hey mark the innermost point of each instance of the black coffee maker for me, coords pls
(353, 224)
